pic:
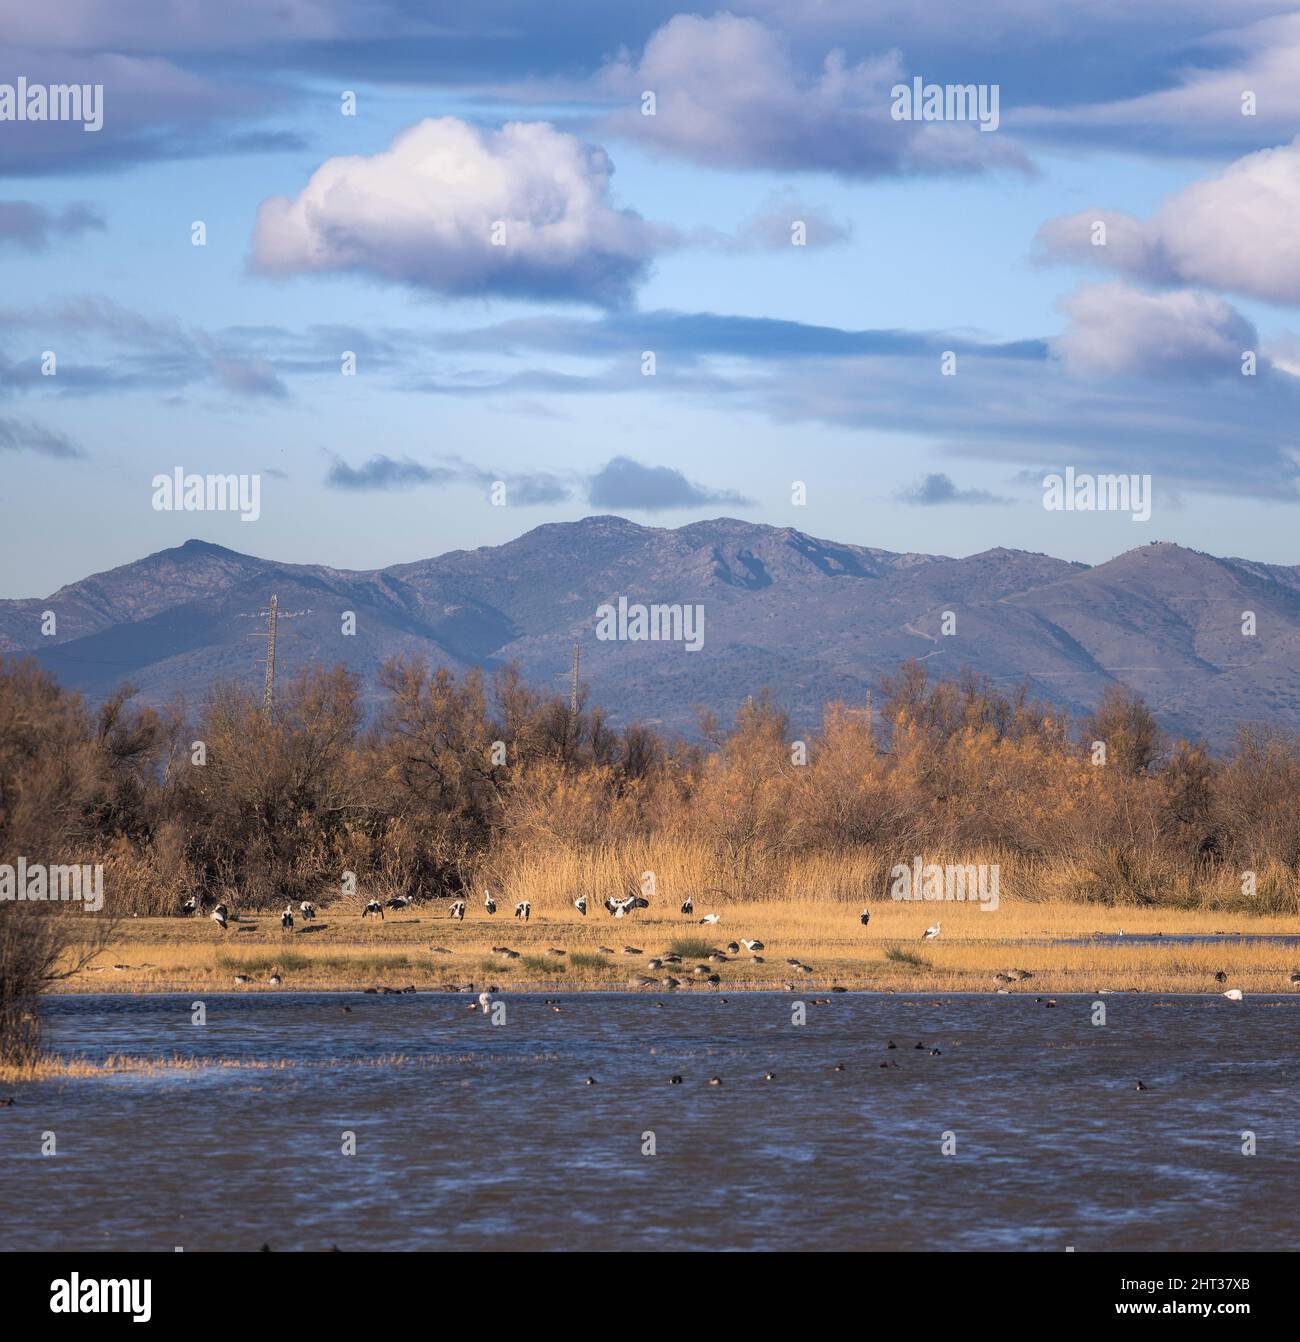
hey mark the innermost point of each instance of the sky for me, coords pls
(773, 298)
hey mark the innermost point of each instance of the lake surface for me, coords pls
(488, 1138)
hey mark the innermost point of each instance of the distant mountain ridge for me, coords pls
(810, 619)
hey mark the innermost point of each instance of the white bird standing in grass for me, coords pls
(190, 905)
(523, 910)
(489, 903)
(374, 909)
(308, 910)
(581, 905)
(457, 910)
(219, 916)
(286, 919)
(688, 906)
(751, 946)
(864, 917)
(711, 918)
(931, 932)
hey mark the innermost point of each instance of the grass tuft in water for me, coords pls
(289, 962)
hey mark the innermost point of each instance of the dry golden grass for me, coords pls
(551, 875)
(49, 1067)
(53, 1068)
(343, 952)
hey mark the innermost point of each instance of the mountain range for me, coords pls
(811, 620)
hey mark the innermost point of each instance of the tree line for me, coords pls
(479, 778)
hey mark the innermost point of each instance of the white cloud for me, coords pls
(1235, 232)
(1115, 330)
(423, 212)
(729, 93)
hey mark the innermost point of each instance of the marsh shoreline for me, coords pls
(1025, 947)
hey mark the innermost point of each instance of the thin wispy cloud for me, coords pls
(384, 472)
(17, 435)
(621, 483)
(34, 228)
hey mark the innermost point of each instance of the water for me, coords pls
(487, 1137)
(1175, 939)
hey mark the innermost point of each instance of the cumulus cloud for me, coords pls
(729, 93)
(938, 488)
(423, 212)
(33, 227)
(624, 483)
(1115, 330)
(1236, 232)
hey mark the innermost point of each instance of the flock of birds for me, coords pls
(373, 908)
(620, 908)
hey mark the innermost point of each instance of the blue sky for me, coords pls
(774, 363)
